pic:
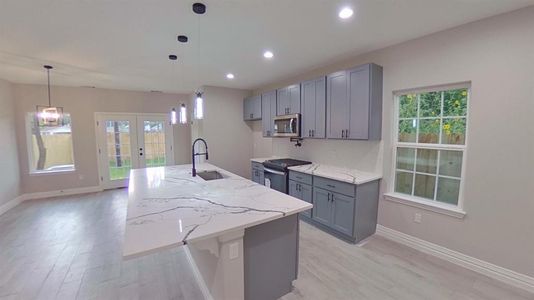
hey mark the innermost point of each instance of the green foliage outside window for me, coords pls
(428, 111)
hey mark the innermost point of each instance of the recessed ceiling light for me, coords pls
(346, 13)
(230, 76)
(268, 54)
(173, 57)
(182, 39)
(199, 8)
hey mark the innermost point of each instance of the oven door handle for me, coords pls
(273, 171)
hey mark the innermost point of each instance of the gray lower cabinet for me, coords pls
(346, 210)
(313, 107)
(252, 108)
(288, 100)
(301, 191)
(257, 173)
(354, 103)
(268, 112)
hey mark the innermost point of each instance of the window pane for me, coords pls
(51, 146)
(453, 131)
(424, 186)
(450, 163)
(403, 182)
(448, 190)
(407, 130)
(430, 104)
(428, 131)
(455, 103)
(405, 158)
(408, 106)
(427, 161)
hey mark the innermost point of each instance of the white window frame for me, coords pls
(29, 147)
(419, 202)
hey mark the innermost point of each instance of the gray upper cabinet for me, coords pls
(252, 108)
(354, 103)
(288, 100)
(314, 108)
(268, 112)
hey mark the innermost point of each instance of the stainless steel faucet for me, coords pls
(193, 154)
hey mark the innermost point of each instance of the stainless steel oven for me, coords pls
(287, 126)
(276, 172)
(277, 180)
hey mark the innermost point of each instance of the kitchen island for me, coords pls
(241, 237)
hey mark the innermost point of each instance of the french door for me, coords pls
(131, 141)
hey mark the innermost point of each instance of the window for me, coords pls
(49, 147)
(430, 143)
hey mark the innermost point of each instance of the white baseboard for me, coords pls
(65, 192)
(483, 267)
(10, 204)
(198, 276)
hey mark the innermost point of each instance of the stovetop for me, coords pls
(283, 163)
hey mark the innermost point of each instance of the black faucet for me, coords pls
(193, 154)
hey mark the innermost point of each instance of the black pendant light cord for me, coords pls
(48, 75)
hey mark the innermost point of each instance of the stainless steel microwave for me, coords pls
(287, 125)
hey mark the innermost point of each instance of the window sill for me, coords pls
(440, 208)
(59, 172)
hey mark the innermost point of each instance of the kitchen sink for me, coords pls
(210, 175)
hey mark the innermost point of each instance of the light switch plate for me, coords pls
(234, 250)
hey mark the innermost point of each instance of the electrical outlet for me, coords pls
(234, 250)
(417, 218)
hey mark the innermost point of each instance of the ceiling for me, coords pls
(124, 44)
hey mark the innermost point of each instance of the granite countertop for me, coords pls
(341, 174)
(168, 207)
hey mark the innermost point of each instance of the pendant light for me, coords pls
(49, 115)
(199, 9)
(182, 117)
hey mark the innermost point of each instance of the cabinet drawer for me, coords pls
(335, 186)
(258, 166)
(300, 177)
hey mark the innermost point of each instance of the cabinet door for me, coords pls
(306, 195)
(314, 108)
(268, 102)
(359, 102)
(294, 99)
(246, 109)
(342, 213)
(308, 108)
(294, 189)
(338, 107)
(322, 208)
(282, 101)
(255, 107)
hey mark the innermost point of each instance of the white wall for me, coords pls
(82, 103)
(497, 56)
(228, 136)
(9, 175)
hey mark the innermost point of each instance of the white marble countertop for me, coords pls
(168, 207)
(341, 174)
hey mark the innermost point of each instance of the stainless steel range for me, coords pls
(277, 174)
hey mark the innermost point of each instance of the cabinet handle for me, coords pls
(347, 134)
(332, 197)
(309, 133)
(328, 197)
(313, 132)
(342, 134)
(331, 186)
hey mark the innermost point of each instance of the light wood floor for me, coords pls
(70, 248)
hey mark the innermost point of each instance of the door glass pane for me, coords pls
(424, 186)
(154, 133)
(118, 146)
